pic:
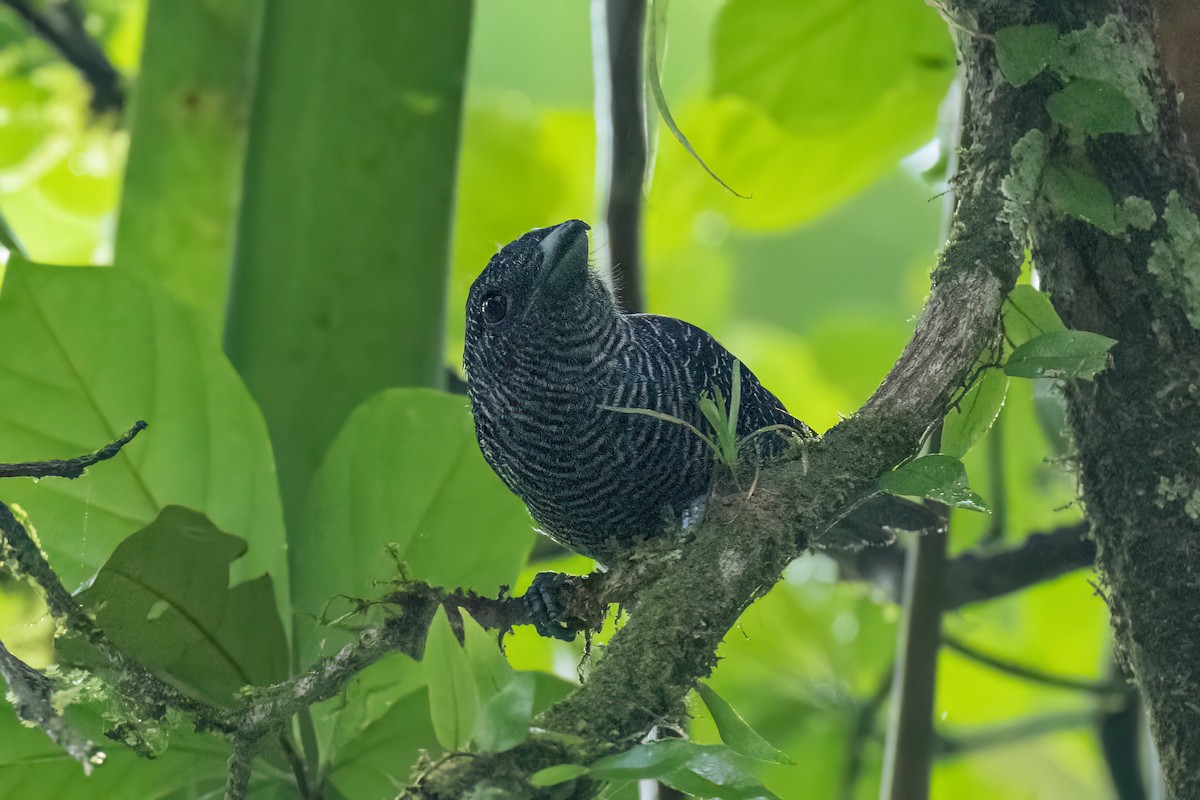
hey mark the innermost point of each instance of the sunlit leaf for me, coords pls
(1023, 51)
(977, 409)
(1093, 108)
(1061, 354)
(819, 65)
(736, 732)
(937, 477)
(453, 697)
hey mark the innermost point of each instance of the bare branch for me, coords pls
(70, 468)
(61, 25)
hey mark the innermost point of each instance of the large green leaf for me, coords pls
(183, 179)
(89, 352)
(822, 65)
(403, 482)
(344, 232)
(380, 759)
(164, 598)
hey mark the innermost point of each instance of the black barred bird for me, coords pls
(549, 357)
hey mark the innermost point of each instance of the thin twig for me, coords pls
(953, 745)
(1034, 674)
(1120, 731)
(61, 25)
(70, 468)
(978, 576)
(241, 766)
(864, 724)
(33, 700)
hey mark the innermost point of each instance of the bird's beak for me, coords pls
(564, 253)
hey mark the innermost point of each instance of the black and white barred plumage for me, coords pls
(547, 350)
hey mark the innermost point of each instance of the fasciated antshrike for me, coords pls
(549, 355)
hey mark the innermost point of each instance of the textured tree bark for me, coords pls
(1137, 427)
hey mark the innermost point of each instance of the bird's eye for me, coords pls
(495, 308)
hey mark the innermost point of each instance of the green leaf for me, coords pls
(1062, 355)
(99, 350)
(504, 718)
(164, 598)
(975, 413)
(1093, 108)
(652, 760)
(1023, 51)
(404, 481)
(657, 11)
(710, 772)
(1080, 194)
(736, 732)
(183, 178)
(938, 477)
(1028, 313)
(453, 698)
(700, 770)
(379, 758)
(559, 773)
(490, 667)
(823, 64)
(355, 304)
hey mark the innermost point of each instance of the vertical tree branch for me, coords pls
(910, 740)
(618, 42)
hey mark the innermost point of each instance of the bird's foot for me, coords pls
(546, 610)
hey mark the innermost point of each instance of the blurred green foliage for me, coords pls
(812, 110)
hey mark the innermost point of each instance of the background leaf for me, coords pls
(341, 262)
(884, 48)
(504, 718)
(184, 174)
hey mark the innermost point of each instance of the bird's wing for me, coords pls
(698, 364)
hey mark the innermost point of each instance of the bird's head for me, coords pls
(536, 290)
